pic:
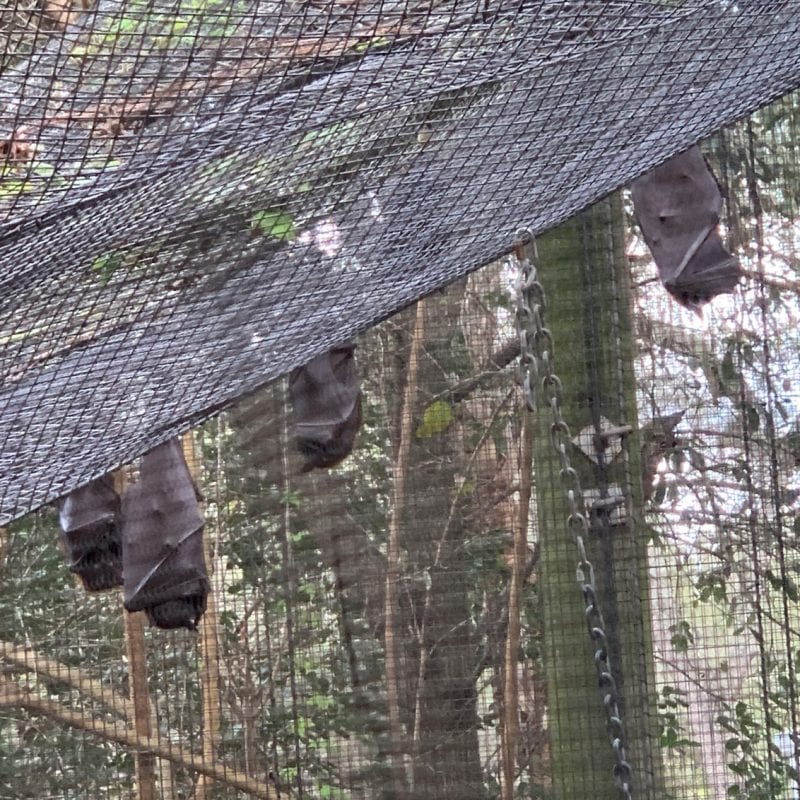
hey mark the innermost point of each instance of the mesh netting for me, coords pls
(359, 583)
(198, 197)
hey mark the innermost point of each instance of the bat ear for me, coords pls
(692, 301)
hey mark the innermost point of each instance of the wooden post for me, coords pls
(209, 649)
(137, 682)
(510, 727)
(588, 313)
(137, 687)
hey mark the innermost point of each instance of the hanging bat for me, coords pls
(89, 529)
(164, 569)
(678, 206)
(657, 438)
(326, 406)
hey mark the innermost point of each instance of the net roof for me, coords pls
(199, 196)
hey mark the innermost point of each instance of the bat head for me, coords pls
(329, 446)
(182, 612)
(712, 270)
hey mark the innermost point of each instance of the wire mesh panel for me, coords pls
(234, 185)
(533, 536)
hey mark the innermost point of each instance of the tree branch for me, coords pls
(393, 550)
(498, 361)
(510, 720)
(12, 694)
(49, 669)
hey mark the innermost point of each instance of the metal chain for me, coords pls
(537, 375)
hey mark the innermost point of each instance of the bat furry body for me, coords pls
(658, 438)
(89, 529)
(678, 206)
(326, 406)
(162, 528)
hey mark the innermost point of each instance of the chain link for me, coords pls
(539, 380)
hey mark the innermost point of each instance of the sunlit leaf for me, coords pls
(436, 419)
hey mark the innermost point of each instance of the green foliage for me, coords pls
(275, 223)
(436, 419)
(41, 606)
(712, 587)
(761, 773)
(682, 636)
(379, 42)
(671, 707)
(106, 265)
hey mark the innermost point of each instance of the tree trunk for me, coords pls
(442, 707)
(584, 272)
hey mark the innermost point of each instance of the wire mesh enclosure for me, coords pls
(352, 442)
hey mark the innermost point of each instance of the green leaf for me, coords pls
(12, 188)
(380, 41)
(732, 744)
(436, 418)
(783, 583)
(274, 222)
(107, 264)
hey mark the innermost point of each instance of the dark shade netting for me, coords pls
(197, 198)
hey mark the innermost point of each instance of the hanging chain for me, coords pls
(537, 376)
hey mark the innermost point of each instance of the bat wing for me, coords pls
(89, 529)
(162, 532)
(678, 206)
(326, 407)
(712, 270)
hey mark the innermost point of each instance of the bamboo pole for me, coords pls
(13, 694)
(137, 678)
(49, 669)
(520, 554)
(393, 553)
(136, 649)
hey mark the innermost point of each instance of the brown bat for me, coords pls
(657, 438)
(326, 406)
(90, 532)
(162, 533)
(678, 206)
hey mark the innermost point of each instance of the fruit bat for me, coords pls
(164, 569)
(89, 519)
(678, 206)
(326, 407)
(658, 438)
